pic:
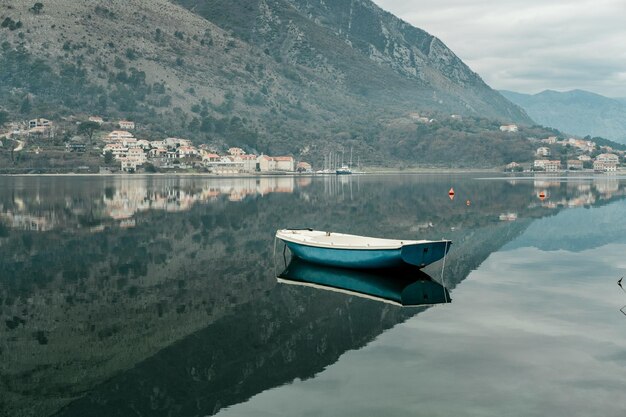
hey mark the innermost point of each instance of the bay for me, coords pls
(152, 295)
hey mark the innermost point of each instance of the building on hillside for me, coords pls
(583, 145)
(157, 152)
(552, 166)
(158, 144)
(136, 155)
(187, 151)
(249, 162)
(604, 166)
(547, 165)
(551, 140)
(41, 132)
(265, 163)
(305, 166)
(275, 163)
(39, 123)
(128, 165)
(75, 146)
(96, 119)
(126, 125)
(236, 151)
(210, 157)
(285, 163)
(513, 167)
(144, 144)
(584, 158)
(608, 157)
(543, 151)
(509, 128)
(176, 142)
(129, 142)
(574, 164)
(117, 149)
(118, 135)
(225, 165)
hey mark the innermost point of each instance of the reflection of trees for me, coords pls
(85, 306)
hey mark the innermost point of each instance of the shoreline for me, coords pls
(413, 171)
(258, 174)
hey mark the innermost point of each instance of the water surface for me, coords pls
(158, 296)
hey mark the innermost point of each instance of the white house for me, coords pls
(236, 151)
(117, 149)
(547, 165)
(125, 124)
(136, 155)
(39, 123)
(174, 142)
(118, 135)
(604, 166)
(608, 157)
(509, 128)
(544, 151)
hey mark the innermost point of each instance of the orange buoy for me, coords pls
(542, 196)
(451, 193)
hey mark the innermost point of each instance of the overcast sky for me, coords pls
(530, 45)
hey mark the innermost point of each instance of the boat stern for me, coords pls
(425, 253)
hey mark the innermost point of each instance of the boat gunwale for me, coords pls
(283, 235)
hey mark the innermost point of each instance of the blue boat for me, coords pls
(361, 252)
(344, 170)
(406, 286)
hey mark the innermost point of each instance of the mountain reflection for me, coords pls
(181, 314)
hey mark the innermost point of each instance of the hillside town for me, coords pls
(122, 151)
(112, 146)
(573, 155)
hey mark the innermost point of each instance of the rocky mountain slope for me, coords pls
(269, 75)
(577, 112)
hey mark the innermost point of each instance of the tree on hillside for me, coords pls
(26, 106)
(37, 8)
(88, 129)
(108, 157)
(4, 117)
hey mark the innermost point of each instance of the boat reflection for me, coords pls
(407, 286)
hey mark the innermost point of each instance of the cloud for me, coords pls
(530, 45)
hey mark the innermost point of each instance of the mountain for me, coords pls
(577, 112)
(269, 75)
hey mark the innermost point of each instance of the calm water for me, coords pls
(157, 296)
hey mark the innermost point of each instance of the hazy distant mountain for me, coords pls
(577, 112)
(268, 75)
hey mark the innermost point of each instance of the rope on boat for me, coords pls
(274, 256)
(443, 282)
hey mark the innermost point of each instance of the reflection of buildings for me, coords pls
(546, 183)
(28, 222)
(606, 185)
(131, 196)
(122, 198)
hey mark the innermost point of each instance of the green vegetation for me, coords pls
(307, 95)
(88, 129)
(37, 8)
(11, 24)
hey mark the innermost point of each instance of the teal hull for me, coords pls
(419, 255)
(406, 286)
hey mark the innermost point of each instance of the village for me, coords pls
(122, 151)
(574, 155)
(117, 149)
